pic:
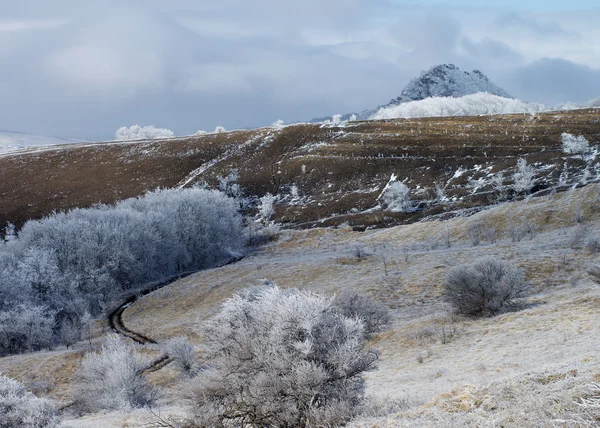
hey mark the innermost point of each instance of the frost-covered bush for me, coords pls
(21, 409)
(258, 233)
(396, 197)
(523, 177)
(183, 354)
(469, 105)
(26, 328)
(112, 378)
(266, 209)
(575, 145)
(487, 289)
(374, 315)
(220, 130)
(229, 185)
(278, 124)
(69, 263)
(281, 358)
(137, 132)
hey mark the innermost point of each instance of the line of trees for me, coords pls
(58, 272)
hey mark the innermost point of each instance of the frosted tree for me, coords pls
(229, 185)
(524, 177)
(9, 232)
(281, 358)
(220, 129)
(575, 145)
(21, 409)
(396, 196)
(278, 124)
(137, 132)
(112, 378)
(265, 207)
(68, 264)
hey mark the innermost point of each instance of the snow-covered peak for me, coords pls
(447, 80)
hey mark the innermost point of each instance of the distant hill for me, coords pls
(11, 140)
(445, 80)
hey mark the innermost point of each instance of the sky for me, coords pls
(82, 69)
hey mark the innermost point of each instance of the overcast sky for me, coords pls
(84, 68)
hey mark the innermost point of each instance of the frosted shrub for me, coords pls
(265, 207)
(278, 124)
(396, 197)
(281, 358)
(524, 177)
(21, 409)
(575, 145)
(112, 379)
(487, 289)
(137, 132)
(183, 354)
(220, 130)
(260, 234)
(374, 315)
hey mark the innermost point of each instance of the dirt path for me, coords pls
(115, 318)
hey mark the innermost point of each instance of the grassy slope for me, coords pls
(344, 168)
(522, 369)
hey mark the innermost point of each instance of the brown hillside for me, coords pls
(339, 171)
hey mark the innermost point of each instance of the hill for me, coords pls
(322, 175)
(527, 368)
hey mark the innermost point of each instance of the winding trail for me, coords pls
(115, 318)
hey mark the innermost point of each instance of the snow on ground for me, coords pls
(10, 141)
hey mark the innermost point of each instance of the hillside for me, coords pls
(525, 368)
(339, 171)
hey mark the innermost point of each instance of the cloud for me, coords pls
(430, 35)
(553, 81)
(492, 52)
(86, 68)
(532, 25)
